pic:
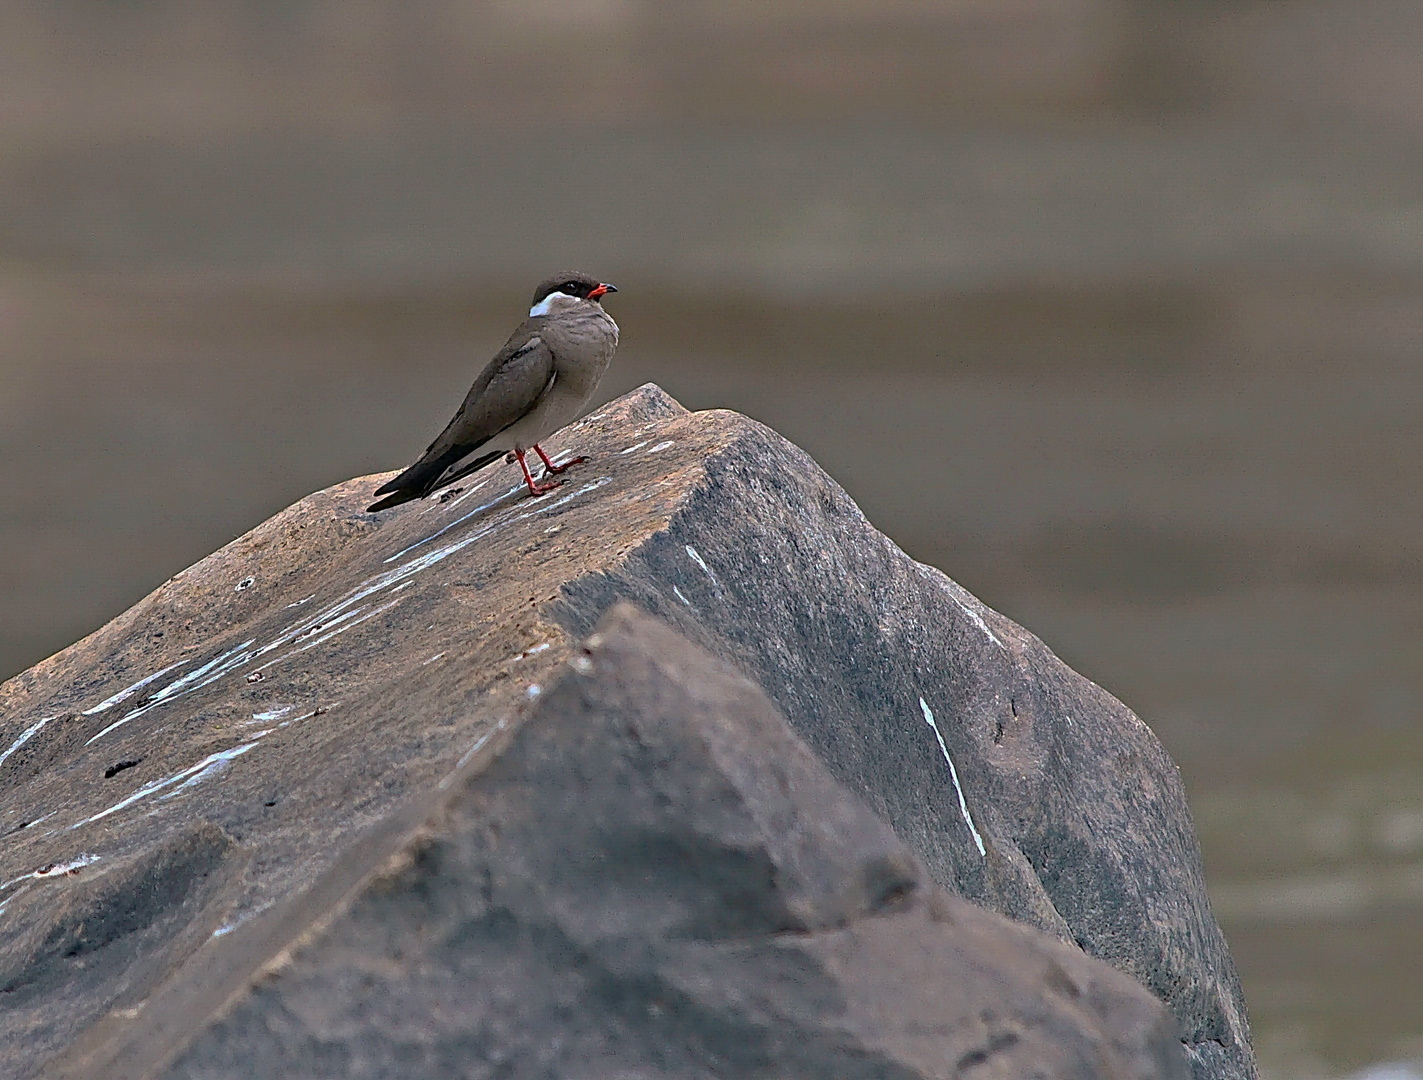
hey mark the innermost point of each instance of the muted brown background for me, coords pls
(1113, 309)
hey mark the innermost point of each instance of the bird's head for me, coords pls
(568, 290)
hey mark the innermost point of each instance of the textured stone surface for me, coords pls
(655, 878)
(269, 707)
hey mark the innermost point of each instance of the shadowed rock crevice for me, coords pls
(116, 930)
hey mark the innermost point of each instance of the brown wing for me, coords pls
(508, 387)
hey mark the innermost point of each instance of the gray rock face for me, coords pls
(655, 878)
(194, 790)
(1024, 786)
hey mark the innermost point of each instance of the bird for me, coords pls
(539, 381)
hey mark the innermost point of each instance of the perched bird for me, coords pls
(541, 379)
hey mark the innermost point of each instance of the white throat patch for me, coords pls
(552, 300)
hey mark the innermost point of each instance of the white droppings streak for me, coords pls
(697, 558)
(680, 596)
(303, 600)
(416, 565)
(216, 765)
(457, 521)
(978, 620)
(456, 501)
(306, 716)
(964, 600)
(346, 621)
(25, 737)
(954, 775)
(660, 446)
(476, 748)
(58, 870)
(310, 627)
(433, 659)
(335, 618)
(201, 768)
(129, 691)
(967, 603)
(534, 690)
(194, 680)
(273, 714)
(227, 928)
(18, 892)
(52, 870)
(634, 446)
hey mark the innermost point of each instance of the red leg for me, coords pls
(536, 489)
(550, 467)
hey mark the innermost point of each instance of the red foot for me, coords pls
(535, 489)
(550, 467)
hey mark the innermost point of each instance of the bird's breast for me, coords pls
(582, 348)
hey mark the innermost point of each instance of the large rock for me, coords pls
(650, 877)
(216, 751)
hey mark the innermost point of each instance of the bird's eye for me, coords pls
(570, 287)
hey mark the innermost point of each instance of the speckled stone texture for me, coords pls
(655, 878)
(191, 793)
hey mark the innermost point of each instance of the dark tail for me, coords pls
(424, 476)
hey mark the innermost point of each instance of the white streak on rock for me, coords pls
(60, 869)
(966, 601)
(200, 769)
(457, 521)
(634, 446)
(346, 621)
(954, 775)
(25, 737)
(52, 870)
(318, 711)
(227, 928)
(478, 745)
(194, 680)
(416, 565)
(18, 892)
(680, 596)
(660, 446)
(217, 764)
(697, 558)
(129, 691)
(978, 619)
(455, 502)
(347, 611)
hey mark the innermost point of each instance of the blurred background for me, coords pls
(1112, 309)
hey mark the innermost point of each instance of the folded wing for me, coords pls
(504, 392)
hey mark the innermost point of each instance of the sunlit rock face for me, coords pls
(223, 780)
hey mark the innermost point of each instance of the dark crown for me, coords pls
(572, 284)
